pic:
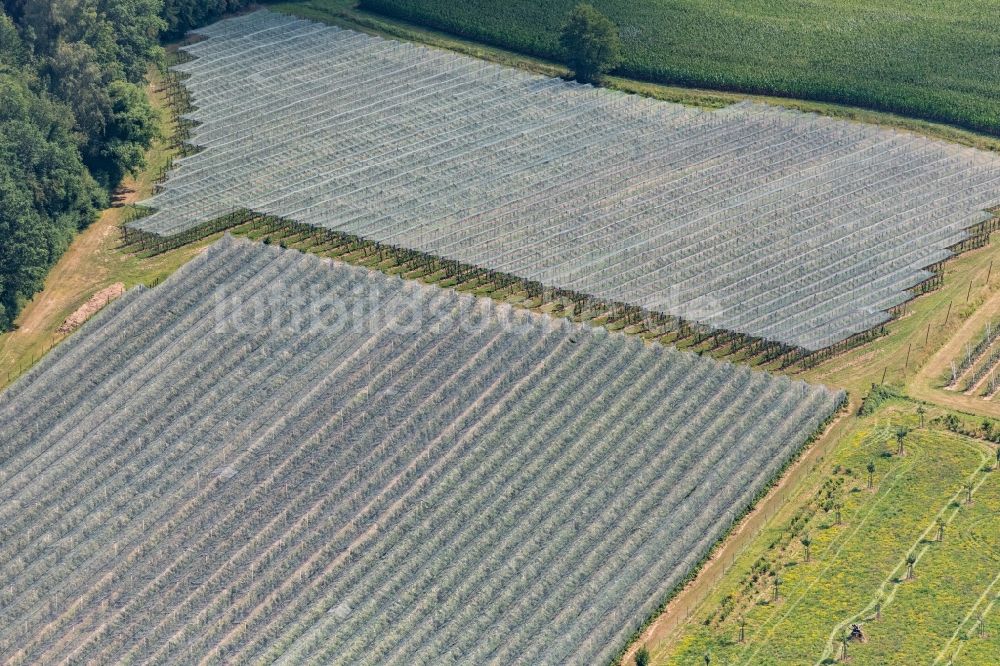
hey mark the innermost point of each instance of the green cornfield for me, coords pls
(937, 60)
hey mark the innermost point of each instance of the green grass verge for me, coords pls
(862, 557)
(931, 60)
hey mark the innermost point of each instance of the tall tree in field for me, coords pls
(591, 43)
(871, 474)
(642, 656)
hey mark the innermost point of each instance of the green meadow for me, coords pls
(856, 572)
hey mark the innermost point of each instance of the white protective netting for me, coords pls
(785, 226)
(272, 458)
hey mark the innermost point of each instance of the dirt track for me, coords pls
(91, 307)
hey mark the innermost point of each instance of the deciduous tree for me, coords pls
(591, 43)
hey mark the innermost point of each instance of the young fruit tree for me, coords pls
(901, 434)
(591, 43)
(806, 542)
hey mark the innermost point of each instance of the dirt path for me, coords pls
(73, 276)
(924, 384)
(791, 485)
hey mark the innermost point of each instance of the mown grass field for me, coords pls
(853, 563)
(932, 60)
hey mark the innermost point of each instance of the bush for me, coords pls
(876, 397)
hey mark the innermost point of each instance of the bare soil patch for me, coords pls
(96, 303)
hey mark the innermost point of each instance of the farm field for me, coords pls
(963, 373)
(548, 203)
(162, 529)
(973, 370)
(928, 60)
(929, 332)
(854, 563)
(271, 455)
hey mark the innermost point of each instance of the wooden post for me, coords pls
(927, 336)
(906, 364)
(883, 375)
(969, 292)
(948, 314)
(989, 272)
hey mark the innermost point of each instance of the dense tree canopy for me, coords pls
(181, 15)
(591, 43)
(46, 193)
(74, 120)
(85, 53)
